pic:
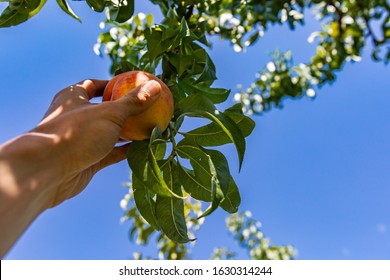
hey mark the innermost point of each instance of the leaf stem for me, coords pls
(172, 133)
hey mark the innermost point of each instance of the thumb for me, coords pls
(140, 98)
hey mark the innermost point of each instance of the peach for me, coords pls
(140, 126)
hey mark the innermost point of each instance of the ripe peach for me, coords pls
(139, 127)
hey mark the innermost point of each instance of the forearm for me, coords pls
(25, 185)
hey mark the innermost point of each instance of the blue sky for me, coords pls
(316, 173)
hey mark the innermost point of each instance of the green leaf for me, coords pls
(149, 20)
(219, 168)
(161, 187)
(208, 73)
(193, 184)
(219, 180)
(244, 123)
(185, 32)
(217, 95)
(201, 33)
(182, 63)
(233, 132)
(19, 11)
(142, 160)
(229, 127)
(170, 211)
(97, 5)
(253, 38)
(232, 199)
(217, 196)
(204, 69)
(194, 103)
(200, 106)
(37, 9)
(213, 135)
(121, 10)
(144, 201)
(168, 32)
(125, 66)
(171, 17)
(156, 137)
(126, 10)
(66, 8)
(209, 179)
(155, 43)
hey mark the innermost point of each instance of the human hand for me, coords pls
(84, 134)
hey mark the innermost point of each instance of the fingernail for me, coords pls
(152, 88)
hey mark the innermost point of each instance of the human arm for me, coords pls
(56, 160)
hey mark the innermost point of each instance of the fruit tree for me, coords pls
(173, 170)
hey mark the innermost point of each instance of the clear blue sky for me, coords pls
(316, 174)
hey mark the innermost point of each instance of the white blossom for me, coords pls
(271, 67)
(237, 97)
(310, 92)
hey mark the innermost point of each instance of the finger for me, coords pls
(116, 155)
(139, 99)
(72, 95)
(91, 88)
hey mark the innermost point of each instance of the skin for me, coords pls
(139, 127)
(57, 159)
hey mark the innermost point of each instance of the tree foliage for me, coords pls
(178, 169)
(177, 46)
(347, 28)
(243, 228)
